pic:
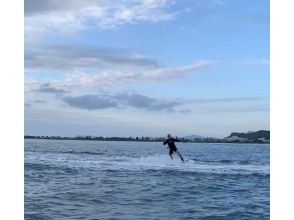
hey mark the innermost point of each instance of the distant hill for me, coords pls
(194, 136)
(252, 135)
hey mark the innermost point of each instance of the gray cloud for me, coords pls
(33, 102)
(95, 102)
(32, 7)
(47, 16)
(83, 58)
(47, 88)
(27, 104)
(148, 103)
(39, 101)
(89, 102)
(35, 7)
(138, 101)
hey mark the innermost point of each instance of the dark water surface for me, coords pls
(133, 180)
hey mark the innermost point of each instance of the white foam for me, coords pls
(153, 162)
(158, 162)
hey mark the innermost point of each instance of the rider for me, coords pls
(172, 147)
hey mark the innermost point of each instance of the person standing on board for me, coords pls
(172, 147)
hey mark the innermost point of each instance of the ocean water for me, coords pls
(134, 180)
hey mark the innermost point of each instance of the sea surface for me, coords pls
(66, 179)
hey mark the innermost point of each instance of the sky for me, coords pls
(146, 67)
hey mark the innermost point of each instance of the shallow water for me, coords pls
(134, 180)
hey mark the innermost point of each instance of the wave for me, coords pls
(83, 152)
(152, 162)
(223, 161)
(66, 152)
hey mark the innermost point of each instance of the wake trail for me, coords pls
(151, 162)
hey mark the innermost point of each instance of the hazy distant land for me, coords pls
(262, 136)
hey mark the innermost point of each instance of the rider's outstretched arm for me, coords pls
(176, 140)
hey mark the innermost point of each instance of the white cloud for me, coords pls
(167, 73)
(114, 77)
(90, 67)
(67, 15)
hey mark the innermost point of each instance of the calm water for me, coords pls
(132, 180)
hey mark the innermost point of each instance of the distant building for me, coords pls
(264, 140)
(235, 138)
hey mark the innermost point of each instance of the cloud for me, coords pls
(35, 7)
(47, 88)
(166, 73)
(201, 101)
(27, 104)
(89, 102)
(96, 102)
(85, 66)
(232, 109)
(83, 58)
(39, 101)
(180, 105)
(67, 15)
(102, 78)
(148, 103)
(33, 102)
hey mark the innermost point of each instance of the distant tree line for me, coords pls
(250, 137)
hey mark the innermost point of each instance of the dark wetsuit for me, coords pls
(171, 144)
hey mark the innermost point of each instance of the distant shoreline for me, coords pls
(142, 139)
